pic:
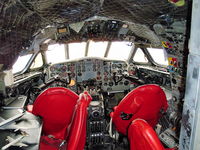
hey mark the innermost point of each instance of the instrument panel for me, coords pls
(151, 75)
(92, 73)
(155, 77)
(103, 74)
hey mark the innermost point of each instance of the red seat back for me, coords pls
(142, 137)
(144, 102)
(55, 106)
(77, 135)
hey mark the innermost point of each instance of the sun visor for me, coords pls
(77, 26)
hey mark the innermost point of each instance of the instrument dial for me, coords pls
(52, 68)
(64, 68)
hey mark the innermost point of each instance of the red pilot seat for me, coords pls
(56, 107)
(77, 133)
(145, 102)
(142, 137)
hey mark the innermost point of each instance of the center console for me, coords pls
(97, 136)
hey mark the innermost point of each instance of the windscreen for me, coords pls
(21, 63)
(159, 55)
(97, 49)
(56, 53)
(76, 50)
(140, 57)
(118, 50)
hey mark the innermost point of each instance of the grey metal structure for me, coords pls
(190, 131)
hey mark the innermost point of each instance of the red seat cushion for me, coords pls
(144, 102)
(142, 137)
(55, 106)
(77, 135)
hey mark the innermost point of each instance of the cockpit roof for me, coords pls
(26, 23)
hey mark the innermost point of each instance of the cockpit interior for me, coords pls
(98, 75)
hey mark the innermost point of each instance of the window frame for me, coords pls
(129, 55)
(155, 63)
(68, 50)
(19, 72)
(151, 62)
(141, 63)
(28, 65)
(66, 53)
(33, 69)
(96, 42)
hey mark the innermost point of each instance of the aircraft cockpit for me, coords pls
(107, 75)
(98, 75)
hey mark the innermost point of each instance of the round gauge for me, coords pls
(105, 73)
(98, 77)
(71, 68)
(125, 65)
(79, 73)
(105, 78)
(167, 82)
(64, 68)
(52, 68)
(119, 66)
(73, 75)
(110, 83)
(120, 71)
(94, 103)
(114, 66)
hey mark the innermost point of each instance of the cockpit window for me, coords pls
(38, 62)
(77, 50)
(21, 63)
(140, 56)
(97, 49)
(60, 52)
(56, 53)
(120, 50)
(159, 55)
